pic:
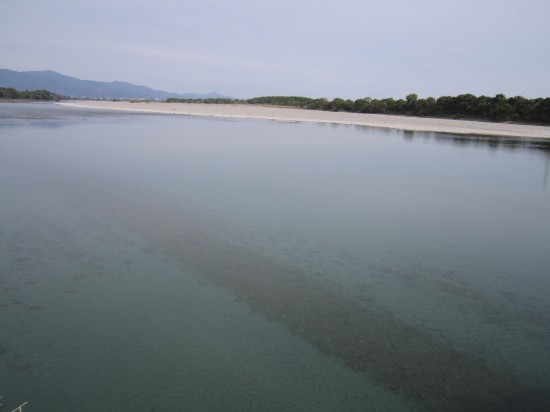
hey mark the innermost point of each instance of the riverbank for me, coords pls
(407, 123)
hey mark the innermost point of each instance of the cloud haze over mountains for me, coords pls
(73, 87)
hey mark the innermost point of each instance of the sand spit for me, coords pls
(238, 111)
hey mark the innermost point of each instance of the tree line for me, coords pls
(11, 93)
(465, 106)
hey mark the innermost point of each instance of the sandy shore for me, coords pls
(300, 115)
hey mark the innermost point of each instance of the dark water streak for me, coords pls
(405, 359)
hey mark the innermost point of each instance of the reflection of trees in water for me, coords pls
(493, 143)
(511, 143)
(540, 145)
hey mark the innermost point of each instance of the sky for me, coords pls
(316, 48)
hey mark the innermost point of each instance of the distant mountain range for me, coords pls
(72, 87)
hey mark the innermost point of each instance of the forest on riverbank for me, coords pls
(499, 108)
(9, 93)
(466, 106)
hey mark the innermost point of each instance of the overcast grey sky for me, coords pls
(321, 48)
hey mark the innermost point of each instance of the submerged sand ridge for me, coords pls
(244, 111)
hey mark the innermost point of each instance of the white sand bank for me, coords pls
(300, 115)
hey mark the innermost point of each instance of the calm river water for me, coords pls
(170, 263)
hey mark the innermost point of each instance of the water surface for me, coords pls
(158, 262)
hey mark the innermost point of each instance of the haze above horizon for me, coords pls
(347, 49)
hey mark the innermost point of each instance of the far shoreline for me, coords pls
(287, 114)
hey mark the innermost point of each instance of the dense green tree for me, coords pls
(318, 104)
(8, 93)
(499, 109)
(466, 103)
(11, 93)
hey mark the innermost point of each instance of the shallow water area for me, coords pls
(154, 262)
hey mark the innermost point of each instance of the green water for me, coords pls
(163, 263)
